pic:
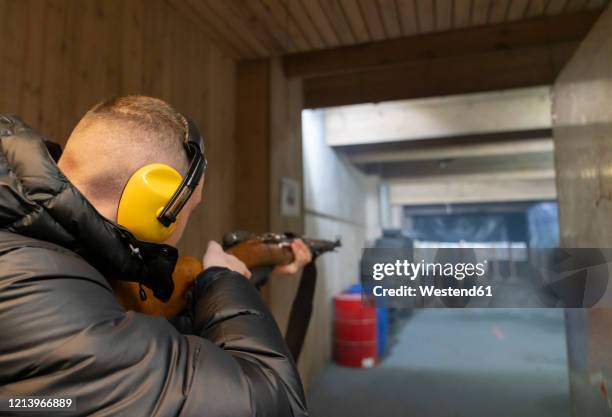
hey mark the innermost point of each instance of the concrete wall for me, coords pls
(438, 117)
(582, 117)
(336, 201)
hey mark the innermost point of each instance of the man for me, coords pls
(63, 334)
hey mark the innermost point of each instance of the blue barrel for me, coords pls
(382, 317)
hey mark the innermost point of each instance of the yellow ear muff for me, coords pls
(144, 196)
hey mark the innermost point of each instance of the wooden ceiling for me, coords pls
(250, 29)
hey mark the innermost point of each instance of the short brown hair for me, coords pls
(118, 136)
(144, 112)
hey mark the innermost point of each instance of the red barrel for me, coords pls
(355, 336)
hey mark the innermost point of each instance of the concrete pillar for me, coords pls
(582, 124)
(384, 205)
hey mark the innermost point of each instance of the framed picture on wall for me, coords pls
(290, 197)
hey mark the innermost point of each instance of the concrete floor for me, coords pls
(456, 363)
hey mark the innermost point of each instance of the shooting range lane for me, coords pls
(458, 363)
(450, 104)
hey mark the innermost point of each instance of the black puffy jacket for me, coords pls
(62, 332)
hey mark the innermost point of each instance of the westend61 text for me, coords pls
(432, 291)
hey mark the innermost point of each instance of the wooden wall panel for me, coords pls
(425, 15)
(498, 11)
(408, 17)
(285, 161)
(229, 23)
(517, 9)
(322, 23)
(242, 13)
(253, 145)
(555, 6)
(268, 148)
(371, 14)
(304, 22)
(390, 16)
(217, 28)
(480, 12)
(273, 16)
(444, 15)
(271, 28)
(336, 16)
(60, 57)
(356, 20)
(286, 106)
(463, 13)
(536, 8)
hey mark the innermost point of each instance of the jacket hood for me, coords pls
(38, 201)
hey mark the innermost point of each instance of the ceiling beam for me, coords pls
(497, 70)
(457, 191)
(501, 164)
(487, 149)
(444, 45)
(460, 115)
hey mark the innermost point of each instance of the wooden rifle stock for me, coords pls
(255, 251)
(128, 293)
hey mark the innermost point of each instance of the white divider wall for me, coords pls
(337, 198)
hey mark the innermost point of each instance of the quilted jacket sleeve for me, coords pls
(249, 353)
(63, 333)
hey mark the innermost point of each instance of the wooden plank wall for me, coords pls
(252, 159)
(253, 146)
(269, 147)
(58, 58)
(286, 161)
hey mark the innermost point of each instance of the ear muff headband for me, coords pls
(156, 193)
(194, 146)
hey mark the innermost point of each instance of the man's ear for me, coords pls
(179, 228)
(198, 193)
(185, 216)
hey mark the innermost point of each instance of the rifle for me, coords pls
(259, 253)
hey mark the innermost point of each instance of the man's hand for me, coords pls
(302, 256)
(215, 256)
